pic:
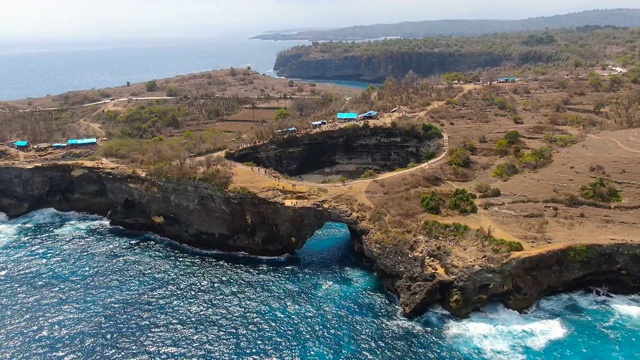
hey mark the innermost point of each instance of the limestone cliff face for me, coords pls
(518, 282)
(377, 148)
(377, 67)
(194, 214)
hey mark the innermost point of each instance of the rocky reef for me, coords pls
(381, 149)
(191, 213)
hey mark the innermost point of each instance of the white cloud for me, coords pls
(136, 18)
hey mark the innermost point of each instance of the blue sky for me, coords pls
(47, 19)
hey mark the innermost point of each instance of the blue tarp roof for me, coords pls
(21, 143)
(506, 78)
(347, 115)
(91, 141)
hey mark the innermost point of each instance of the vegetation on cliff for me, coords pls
(376, 60)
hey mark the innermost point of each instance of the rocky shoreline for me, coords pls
(201, 216)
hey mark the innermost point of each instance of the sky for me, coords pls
(105, 19)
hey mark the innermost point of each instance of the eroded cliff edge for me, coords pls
(191, 213)
(201, 216)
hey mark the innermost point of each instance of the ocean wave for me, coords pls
(500, 333)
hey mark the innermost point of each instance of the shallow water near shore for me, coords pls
(75, 287)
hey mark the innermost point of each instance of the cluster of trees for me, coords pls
(601, 190)
(461, 201)
(532, 160)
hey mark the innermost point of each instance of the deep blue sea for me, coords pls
(38, 69)
(74, 287)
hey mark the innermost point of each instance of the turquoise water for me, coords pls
(74, 287)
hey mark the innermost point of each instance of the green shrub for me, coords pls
(503, 148)
(505, 170)
(537, 158)
(582, 253)
(563, 140)
(517, 119)
(459, 157)
(151, 86)
(439, 230)
(431, 132)
(250, 163)
(498, 245)
(483, 188)
(512, 137)
(429, 155)
(432, 203)
(492, 193)
(172, 91)
(463, 202)
(369, 174)
(600, 190)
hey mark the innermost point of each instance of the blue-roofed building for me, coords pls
(22, 144)
(82, 142)
(507, 80)
(58, 146)
(344, 117)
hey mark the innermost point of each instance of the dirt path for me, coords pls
(617, 142)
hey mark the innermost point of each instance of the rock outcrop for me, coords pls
(202, 216)
(191, 213)
(518, 281)
(381, 149)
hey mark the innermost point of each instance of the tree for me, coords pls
(600, 190)
(151, 86)
(463, 202)
(459, 157)
(452, 77)
(432, 203)
(627, 107)
(172, 91)
(490, 76)
(431, 132)
(282, 114)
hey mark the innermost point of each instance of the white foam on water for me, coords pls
(627, 310)
(3, 217)
(500, 333)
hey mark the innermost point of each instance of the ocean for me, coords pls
(39, 69)
(74, 287)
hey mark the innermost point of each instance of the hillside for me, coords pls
(420, 29)
(374, 61)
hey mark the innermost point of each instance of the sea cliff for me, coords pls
(188, 212)
(202, 216)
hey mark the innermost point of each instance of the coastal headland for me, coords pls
(457, 192)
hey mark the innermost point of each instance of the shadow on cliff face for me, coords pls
(344, 152)
(328, 247)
